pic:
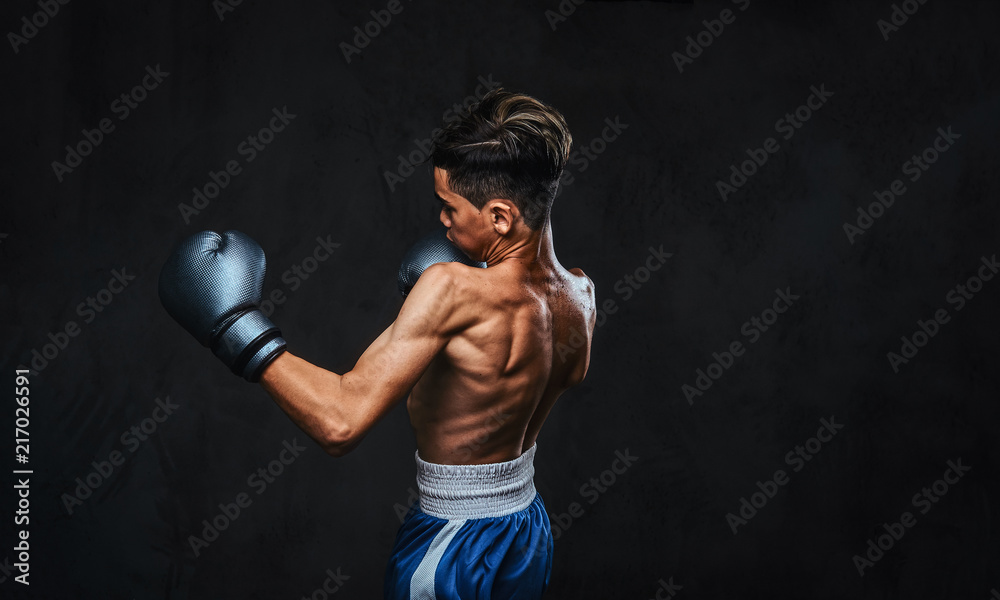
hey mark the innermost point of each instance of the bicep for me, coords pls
(396, 360)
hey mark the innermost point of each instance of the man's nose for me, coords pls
(444, 219)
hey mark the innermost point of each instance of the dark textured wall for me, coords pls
(112, 512)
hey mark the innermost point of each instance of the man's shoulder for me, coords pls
(586, 292)
(453, 277)
(578, 272)
(449, 285)
(439, 301)
(587, 287)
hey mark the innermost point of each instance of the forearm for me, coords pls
(313, 398)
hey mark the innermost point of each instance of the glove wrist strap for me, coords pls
(248, 343)
(263, 357)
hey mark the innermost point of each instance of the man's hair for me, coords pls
(508, 146)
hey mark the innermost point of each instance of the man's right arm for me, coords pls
(338, 410)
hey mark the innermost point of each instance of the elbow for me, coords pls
(344, 428)
(335, 451)
(337, 440)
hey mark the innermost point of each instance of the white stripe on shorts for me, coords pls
(422, 582)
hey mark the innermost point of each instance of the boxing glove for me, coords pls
(212, 285)
(431, 249)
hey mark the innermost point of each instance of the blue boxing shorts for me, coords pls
(476, 532)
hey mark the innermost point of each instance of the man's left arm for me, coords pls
(338, 410)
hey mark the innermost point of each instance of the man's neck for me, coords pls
(535, 247)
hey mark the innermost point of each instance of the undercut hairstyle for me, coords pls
(509, 146)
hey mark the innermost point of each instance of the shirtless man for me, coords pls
(484, 353)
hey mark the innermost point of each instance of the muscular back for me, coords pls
(526, 339)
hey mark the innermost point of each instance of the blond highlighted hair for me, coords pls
(509, 146)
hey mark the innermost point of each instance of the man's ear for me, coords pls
(502, 214)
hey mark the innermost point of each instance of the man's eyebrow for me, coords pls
(440, 199)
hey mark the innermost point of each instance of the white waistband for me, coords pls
(476, 491)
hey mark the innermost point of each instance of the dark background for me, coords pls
(662, 521)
